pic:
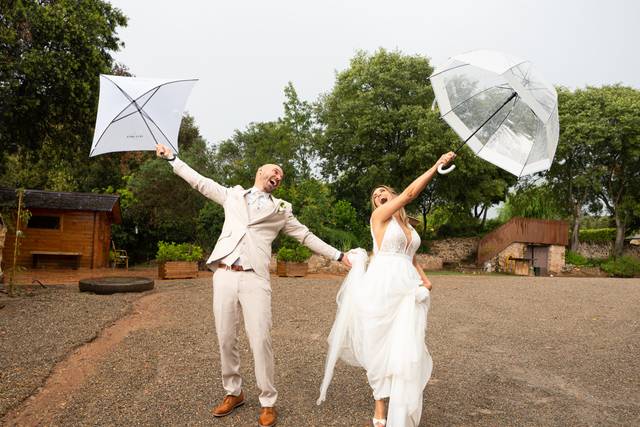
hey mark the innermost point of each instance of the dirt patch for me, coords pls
(70, 374)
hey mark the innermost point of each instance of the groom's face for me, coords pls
(269, 177)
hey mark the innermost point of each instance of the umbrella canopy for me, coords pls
(136, 113)
(503, 109)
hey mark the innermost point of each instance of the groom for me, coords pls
(240, 259)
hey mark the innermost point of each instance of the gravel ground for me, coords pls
(39, 328)
(506, 350)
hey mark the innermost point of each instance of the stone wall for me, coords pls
(317, 264)
(429, 262)
(455, 250)
(320, 264)
(556, 259)
(500, 263)
(604, 250)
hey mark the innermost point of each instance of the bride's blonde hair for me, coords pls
(403, 214)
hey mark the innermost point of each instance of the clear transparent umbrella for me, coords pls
(136, 113)
(501, 107)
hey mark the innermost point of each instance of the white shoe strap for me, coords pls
(381, 421)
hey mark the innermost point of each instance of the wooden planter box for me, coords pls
(292, 269)
(178, 270)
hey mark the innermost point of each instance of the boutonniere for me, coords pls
(282, 207)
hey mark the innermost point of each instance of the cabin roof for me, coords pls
(57, 200)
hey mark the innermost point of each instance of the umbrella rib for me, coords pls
(524, 165)
(448, 69)
(473, 96)
(144, 113)
(160, 130)
(132, 101)
(503, 120)
(145, 103)
(112, 121)
(513, 95)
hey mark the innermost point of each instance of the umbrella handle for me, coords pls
(443, 171)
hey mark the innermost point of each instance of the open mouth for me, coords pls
(273, 182)
(383, 200)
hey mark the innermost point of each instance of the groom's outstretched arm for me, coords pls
(302, 234)
(208, 187)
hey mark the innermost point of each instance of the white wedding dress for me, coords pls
(381, 323)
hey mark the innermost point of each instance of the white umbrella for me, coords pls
(501, 107)
(136, 113)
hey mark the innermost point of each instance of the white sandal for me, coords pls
(377, 422)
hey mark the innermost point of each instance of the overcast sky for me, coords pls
(244, 52)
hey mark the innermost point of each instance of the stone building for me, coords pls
(523, 245)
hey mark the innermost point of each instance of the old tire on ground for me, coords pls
(111, 285)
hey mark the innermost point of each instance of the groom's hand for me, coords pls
(163, 151)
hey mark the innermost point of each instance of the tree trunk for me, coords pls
(575, 234)
(484, 217)
(424, 224)
(620, 232)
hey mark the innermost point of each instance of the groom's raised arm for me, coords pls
(302, 234)
(208, 187)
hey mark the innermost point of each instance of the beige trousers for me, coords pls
(244, 290)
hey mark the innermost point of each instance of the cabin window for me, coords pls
(47, 222)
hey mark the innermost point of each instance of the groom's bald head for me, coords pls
(268, 177)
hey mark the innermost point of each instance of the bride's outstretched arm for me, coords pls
(425, 280)
(384, 212)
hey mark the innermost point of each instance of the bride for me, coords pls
(382, 310)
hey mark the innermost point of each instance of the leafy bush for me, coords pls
(298, 254)
(598, 235)
(574, 258)
(624, 266)
(178, 252)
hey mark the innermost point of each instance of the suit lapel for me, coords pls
(245, 205)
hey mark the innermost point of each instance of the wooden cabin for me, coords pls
(65, 229)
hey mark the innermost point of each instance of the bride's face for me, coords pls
(381, 196)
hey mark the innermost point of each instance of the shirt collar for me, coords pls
(257, 192)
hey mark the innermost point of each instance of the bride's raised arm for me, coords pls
(386, 211)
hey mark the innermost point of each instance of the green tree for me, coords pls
(532, 200)
(159, 205)
(286, 142)
(599, 153)
(52, 53)
(379, 128)
(573, 175)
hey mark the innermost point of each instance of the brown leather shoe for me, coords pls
(268, 417)
(228, 405)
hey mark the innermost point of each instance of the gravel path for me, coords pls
(506, 350)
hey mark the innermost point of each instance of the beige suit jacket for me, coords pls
(259, 232)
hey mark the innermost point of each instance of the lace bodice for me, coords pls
(394, 240)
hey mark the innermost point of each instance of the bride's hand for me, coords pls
(427, 283)
(447, 158)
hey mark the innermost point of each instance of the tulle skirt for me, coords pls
(380, 325)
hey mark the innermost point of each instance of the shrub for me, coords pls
(597, 235)
(624, 266)
(574, 258)
(178, 252)
(298, 254)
